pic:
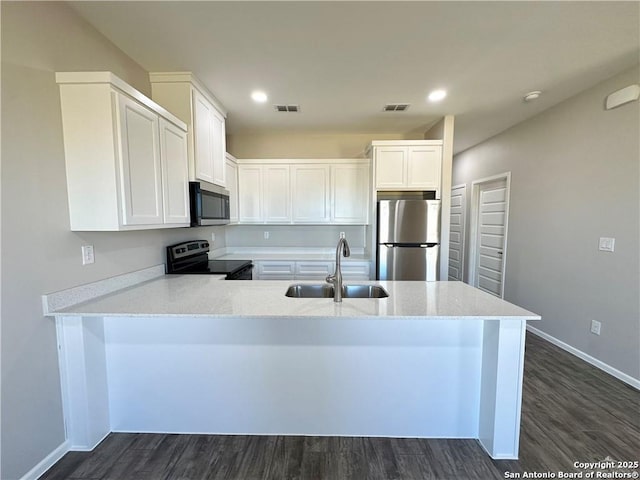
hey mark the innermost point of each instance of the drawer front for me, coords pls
(356, 270)
(314, 269)
(275, 268)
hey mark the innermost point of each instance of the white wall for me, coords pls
(575, 178)
(300, 236)
(39, 253)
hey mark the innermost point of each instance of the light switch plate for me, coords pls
(607, 244)
(87, 255)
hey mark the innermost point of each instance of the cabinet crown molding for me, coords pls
(302, 161)
(110, 78)
(188, 77)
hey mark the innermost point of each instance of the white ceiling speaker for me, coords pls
(625, 95)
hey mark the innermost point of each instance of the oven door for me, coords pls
(209, 206)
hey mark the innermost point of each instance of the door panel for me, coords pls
(456, 232)
(140, 157)
(491, 231)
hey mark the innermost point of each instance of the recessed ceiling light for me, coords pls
(532, 96)
(437, 95)
(259, 96)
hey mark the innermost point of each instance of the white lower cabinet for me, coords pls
(309, 270)
(125, 156)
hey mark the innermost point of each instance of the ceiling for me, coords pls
(342, 61)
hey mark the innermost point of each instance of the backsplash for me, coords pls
(306, 236)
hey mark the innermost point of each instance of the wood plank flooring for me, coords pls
(571, 412)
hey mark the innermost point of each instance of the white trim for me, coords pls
(47, 462)
(300, 161)
(190, 78)
(474, 210)
(124, 87)
(614, 372)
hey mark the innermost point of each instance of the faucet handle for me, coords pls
(330, 279)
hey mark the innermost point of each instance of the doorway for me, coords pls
(456, 231)
(489, 226)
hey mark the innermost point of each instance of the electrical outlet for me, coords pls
(213, 238)
(87, 254)
(606, 244)
(341, 234)
(595, 327)
(266, 235)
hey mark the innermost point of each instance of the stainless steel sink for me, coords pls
(325, 290)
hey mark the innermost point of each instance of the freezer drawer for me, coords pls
(407, 263)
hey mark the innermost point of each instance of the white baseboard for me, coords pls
(48, 462)
(628, 379)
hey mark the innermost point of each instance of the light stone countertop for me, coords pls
(208, 296)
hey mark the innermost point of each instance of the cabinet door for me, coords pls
(232, 186)
(141, 181)
(250, 193)
(203, 141)
(219, 148)
(175, 173)
(391, 167)
(276, 194)
(311, 193)
(423, 170)
(350, 194)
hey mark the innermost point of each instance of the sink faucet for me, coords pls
(336, 278)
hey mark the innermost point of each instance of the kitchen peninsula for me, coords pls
(194, 354)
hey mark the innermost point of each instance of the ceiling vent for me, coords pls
(395, 107)
(287, 108)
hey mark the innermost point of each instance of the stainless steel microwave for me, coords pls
(209, 205)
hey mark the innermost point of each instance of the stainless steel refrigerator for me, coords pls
(408, 240)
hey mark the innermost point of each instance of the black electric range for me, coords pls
(192, 258)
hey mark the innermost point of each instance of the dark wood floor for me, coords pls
(571, 412)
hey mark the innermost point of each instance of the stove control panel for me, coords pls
(188, 249)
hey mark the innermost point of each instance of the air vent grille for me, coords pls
(396, 107)
(287, 108)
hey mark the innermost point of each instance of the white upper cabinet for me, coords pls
(304, 191)
(276, 194)
(125, 156)
(350, 194)
(140, 161)
(311, 190)
(232, 186)
(391, 167)
(250, 194)
(424, 164)
(408, 165)
(175, 178)
(264, 193)
(185, 96)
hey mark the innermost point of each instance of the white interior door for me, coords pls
(456, 231)
(491, 210)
